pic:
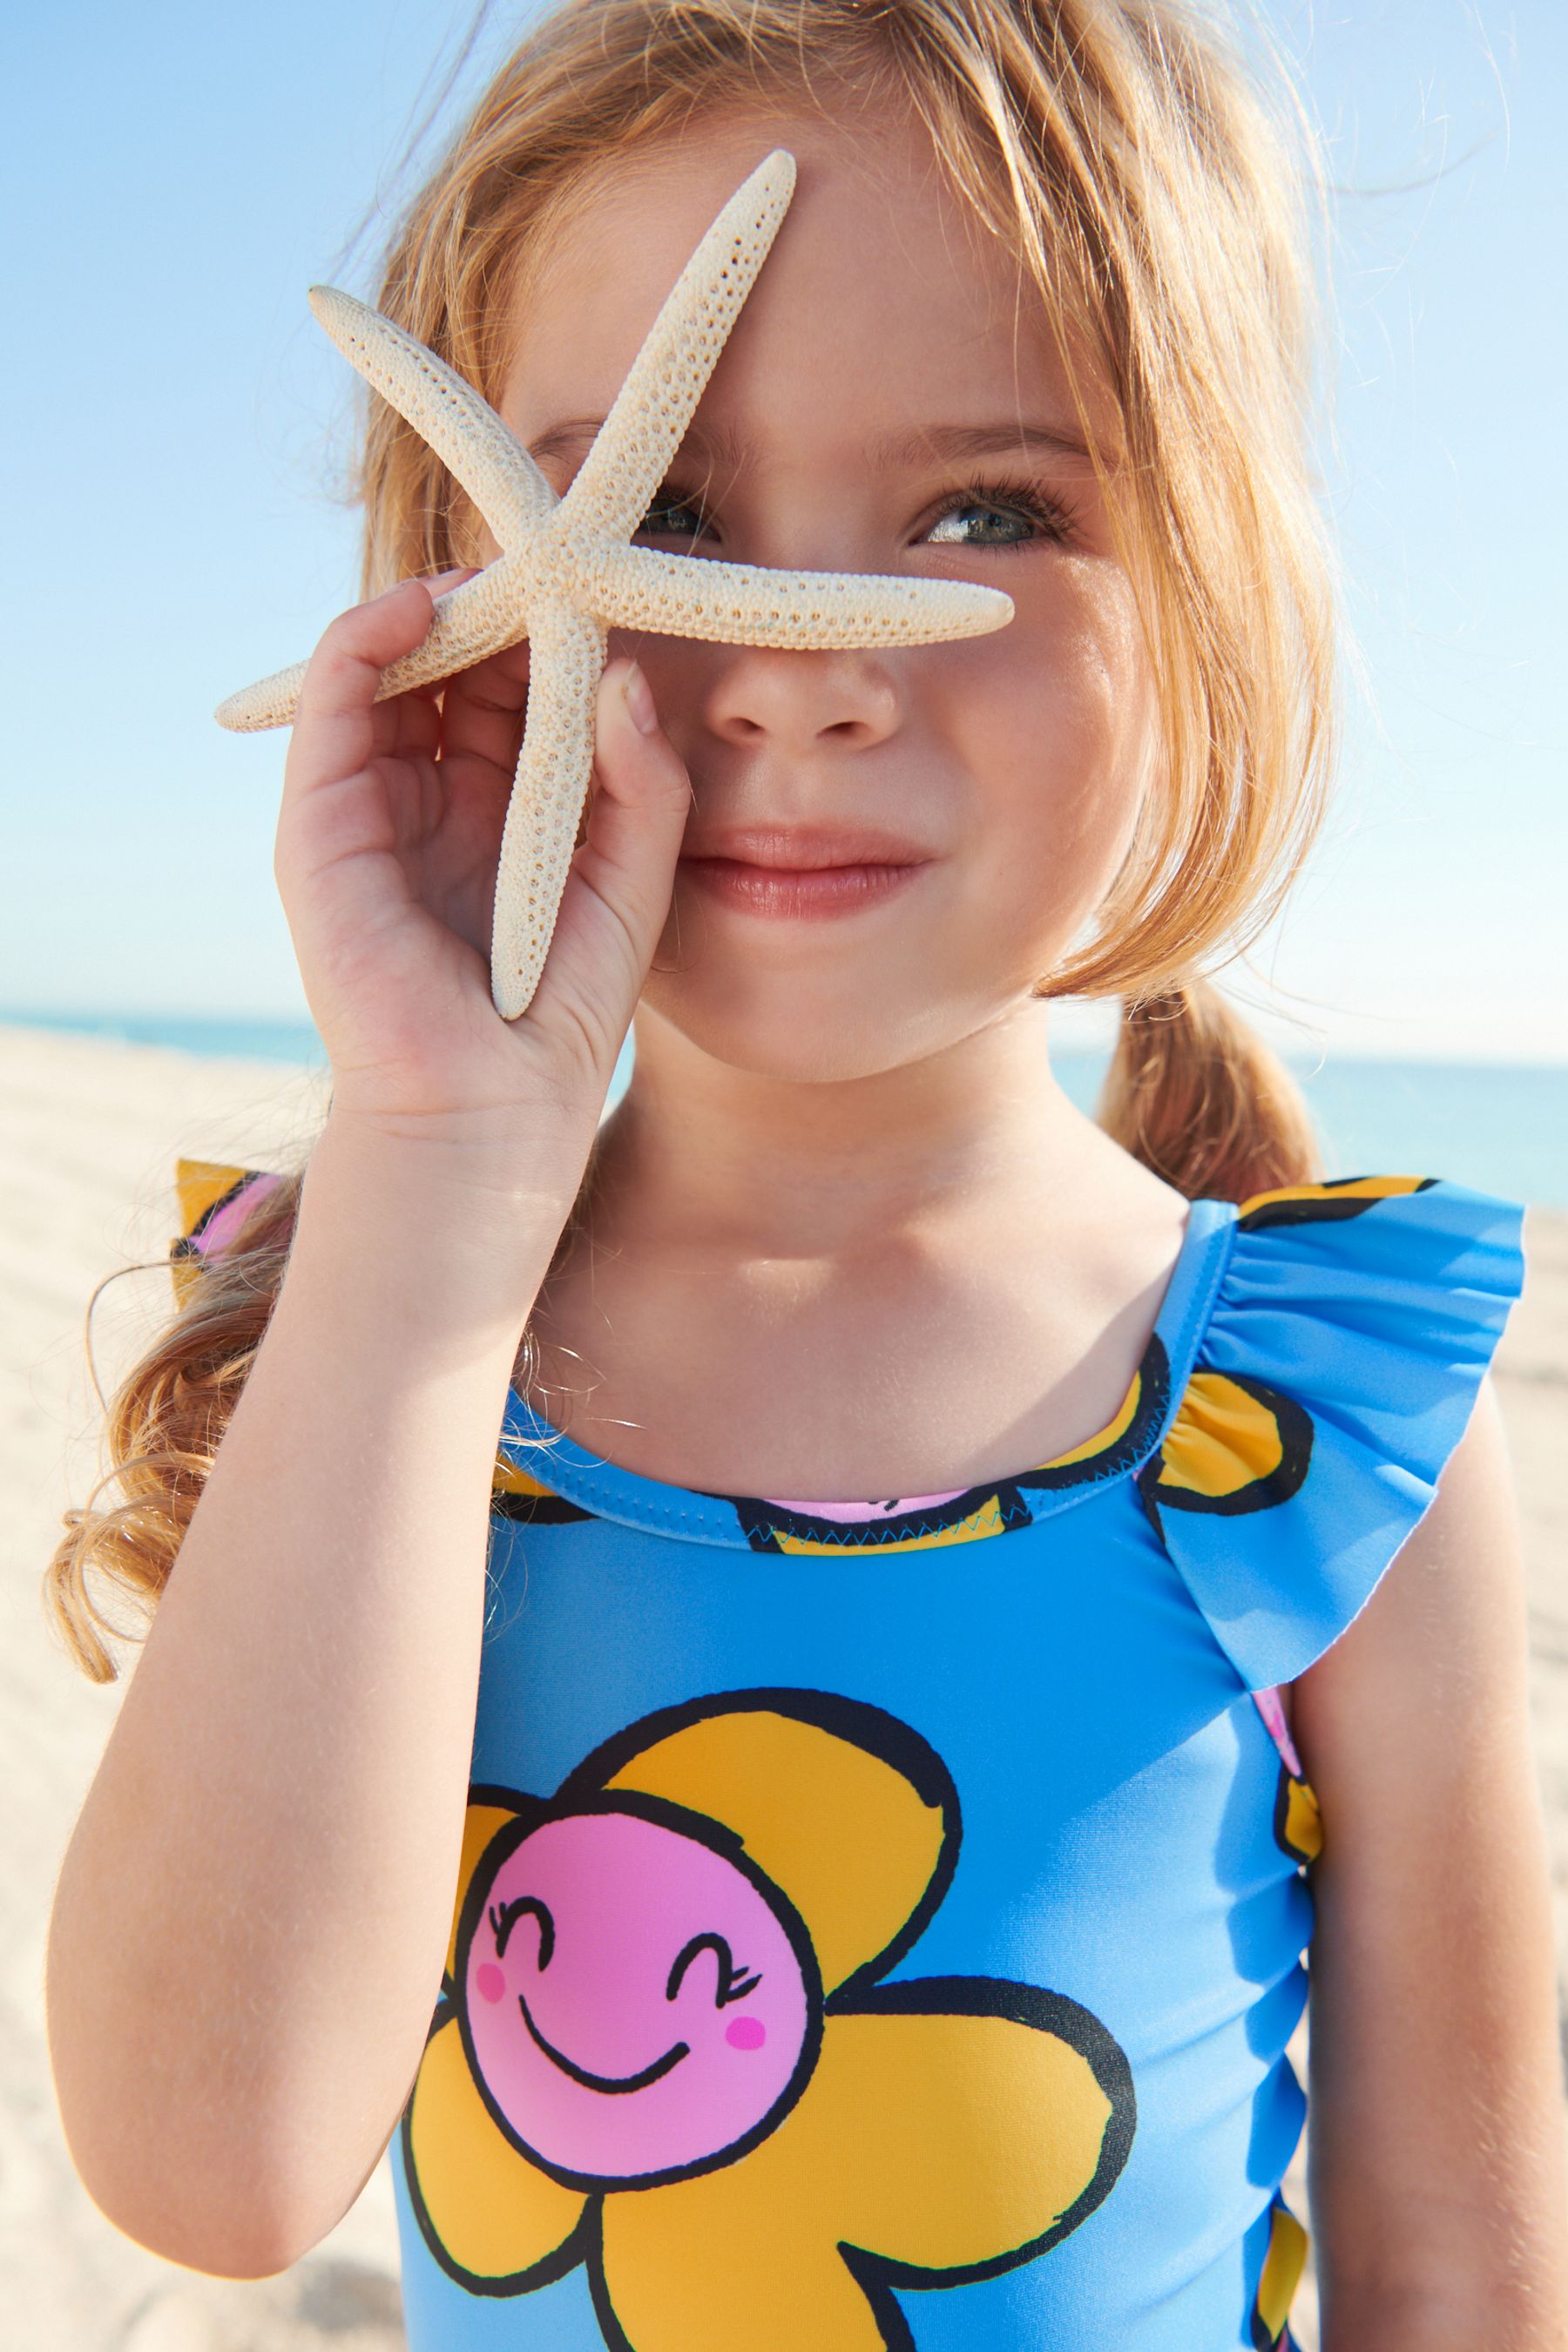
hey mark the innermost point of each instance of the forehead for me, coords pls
(883, 306)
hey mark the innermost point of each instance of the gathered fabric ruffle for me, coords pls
(1337, 1373)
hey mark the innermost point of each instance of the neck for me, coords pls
(760, 1166)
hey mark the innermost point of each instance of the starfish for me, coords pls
(567, 572)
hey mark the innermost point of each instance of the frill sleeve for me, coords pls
(1337, 1372)
(214, 1201)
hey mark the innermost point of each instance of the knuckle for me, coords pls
(343, 629)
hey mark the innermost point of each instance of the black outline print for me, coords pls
(1045, 2012)
(706, 1831)
(731, 1983)
(876, 2275)
(764, 1522)
(1123, 1452)
(861, 1993)
(575, 2247)
(535, 1510)
(1294, 1424)
(187, 1249)
(215, 1207)
(1330, 1203)
(612, 2086)
(854, 1721)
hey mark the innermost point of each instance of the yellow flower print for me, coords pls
(1234, 1444)
(666, 2048)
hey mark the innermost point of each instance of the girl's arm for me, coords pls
(250, 1924)
(1437, 2138)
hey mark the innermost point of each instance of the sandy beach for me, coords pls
(91, 1132)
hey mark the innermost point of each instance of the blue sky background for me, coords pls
(174, 175)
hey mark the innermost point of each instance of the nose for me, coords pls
(801, 702)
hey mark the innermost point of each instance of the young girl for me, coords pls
(808, 1850)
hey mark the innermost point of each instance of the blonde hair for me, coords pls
(1156, 197)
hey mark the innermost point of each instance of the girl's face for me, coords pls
(891, 401)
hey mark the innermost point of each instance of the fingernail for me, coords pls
(639, 701)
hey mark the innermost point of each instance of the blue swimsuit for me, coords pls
(880, 1927)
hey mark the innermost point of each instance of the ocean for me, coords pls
(1499, 1127)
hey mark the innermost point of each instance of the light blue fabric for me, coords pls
(1049, 1680)
(1382, 1325)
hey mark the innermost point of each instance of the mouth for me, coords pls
(795, 893)
(608, 2083)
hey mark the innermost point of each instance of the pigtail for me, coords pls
(1196, 1095)
(165, 1425)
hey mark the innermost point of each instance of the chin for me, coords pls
(805, 1034)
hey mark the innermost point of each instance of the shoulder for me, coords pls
(1331, 1372)
(1449, 1622)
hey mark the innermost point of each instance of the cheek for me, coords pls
(1061, 744)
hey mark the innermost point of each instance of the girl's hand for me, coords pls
(387, 845)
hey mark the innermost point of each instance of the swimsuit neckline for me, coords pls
(542, 1461)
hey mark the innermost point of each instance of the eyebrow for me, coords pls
(951, 442)
(565, 439)
(980, 441)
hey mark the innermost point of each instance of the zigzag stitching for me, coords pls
(865, 1536)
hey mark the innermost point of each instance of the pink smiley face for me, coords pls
(635, 2004)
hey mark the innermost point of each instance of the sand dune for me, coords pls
(91, 1132)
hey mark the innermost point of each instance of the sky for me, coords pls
(177, 430)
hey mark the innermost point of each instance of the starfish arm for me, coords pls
(482, 616)
(484, 455)
(647, 422)
(744, 605)
(270, 702)
(566, 656)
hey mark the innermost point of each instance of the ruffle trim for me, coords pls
(1350, 1332)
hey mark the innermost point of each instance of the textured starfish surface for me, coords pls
(567, 572)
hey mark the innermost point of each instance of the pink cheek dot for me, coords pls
(491, 1981)
(745, 2033)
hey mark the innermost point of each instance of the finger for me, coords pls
(416, 713)
(335, 731)
(417, 723)
(438, 582)
(637, 816)
(483, 708)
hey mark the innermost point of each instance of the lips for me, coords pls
(804, 849)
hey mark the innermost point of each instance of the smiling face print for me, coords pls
(667, 2049)
(639, 2004)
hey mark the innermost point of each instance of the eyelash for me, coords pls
(1054, 516)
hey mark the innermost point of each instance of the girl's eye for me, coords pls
(977, 526)
(1013, 518)
(1011, 515)
(671, 517)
